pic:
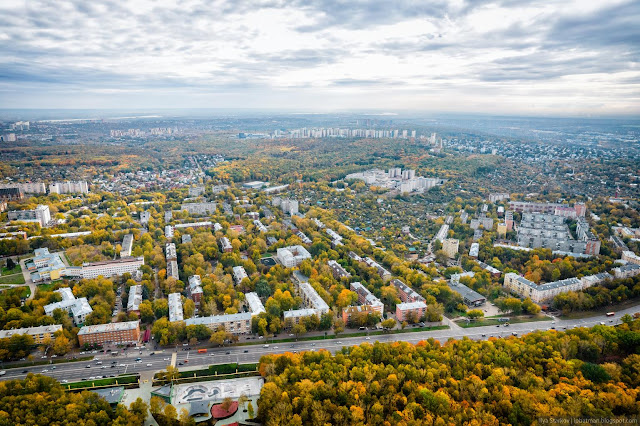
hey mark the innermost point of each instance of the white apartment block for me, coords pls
(172, 269)
(233, 323)
(40, 215)
(450, 247)
(255, 304)
(543, 292)
(175, 307)
(260, 226)
(79, 309)
(298, 315)
(79, 187)
(27, 187)
(630, 257)
(144, 217)
(168, 231)
(111, 268)
(312, 299)
(170, 251)
(135, 298)
(199, 208)
(195, 191)
(127, 245)
(292, 256)
(239, 274)
(627, 271)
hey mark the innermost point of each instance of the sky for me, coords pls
(551, 57)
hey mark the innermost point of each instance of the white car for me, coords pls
(367, 338)
(65, 381)
(45, 370)
(265, 346)
(149, 365)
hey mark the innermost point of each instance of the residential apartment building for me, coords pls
(292, 256)
(474, 250)
(239, 274)
(259, 226)
(627, 271)
(303, 237)
(411, 311)
(499, 196)
(27, 187)
(630, 257)
(384, 274)
(175, 307)
(337, 270)
(11, 194)
(127, 245)
(79, 187)
(199, 208)
(542, 292)
(196, 191)
(312, 299)
(195, 289)
(233, 323)
(116, 333)
(169, 231)
(406, 293)
(296, 316)
(450, 247)
(110, 268)
(144, 217)
(255, 304)
(135, 298)
(172, 269)
(78, 309)
(225, 245)
(39, 334)
(40, 215)
(350, 311)
(366, 298)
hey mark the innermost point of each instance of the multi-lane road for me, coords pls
(126, 363)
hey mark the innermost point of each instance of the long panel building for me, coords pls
(118, 333)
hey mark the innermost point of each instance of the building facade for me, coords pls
(116, 333)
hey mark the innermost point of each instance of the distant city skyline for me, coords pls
(555, 57)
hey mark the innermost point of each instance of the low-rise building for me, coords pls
(78, 309)
(292, 256)
(474, 250)
(406, 293)
(225, 245)
(542, 292)
(296, 316)
(199, 208)
(630, 257)
(337, 270)
(312, 299)
(450, 247)
(11, 194)
(239, 274)
(111, 268)
(232, 323)
(127, 245)
(173, 270)
(350, 311)
(255, 304)
(411, 311)
(470, 296)
(175, 307)
(196, 191)
(195, 289)
(117, 333)
(40, 215)
(365, 297)
(45, 266)
(627, 271)
(168, 231)
(135, 298)
(144, 217)
(39, 334)
(384, 274)
(259, 226)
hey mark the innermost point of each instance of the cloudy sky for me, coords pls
(547, 57)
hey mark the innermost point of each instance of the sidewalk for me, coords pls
(144, 392)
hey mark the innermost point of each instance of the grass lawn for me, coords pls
(49, 286)
(12, 279)
(16, 270)
(119, 380)
(512, 320)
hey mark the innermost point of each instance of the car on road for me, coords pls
(99, 362)
(167, 359)
(246, 351)
(313, 344)
(25, 371)
(122, 365)
(484, 335)
(88, 366)
(265, 346)
(65, 381)
(138, 359)
(54, 356)
(113, 366)
(180, 363)
(367, 338)
(3, 372)
(149, 365)
(228, 353)
(45, 370)
(53, 368)
(339, 343)
(103, 367)
(43, 357)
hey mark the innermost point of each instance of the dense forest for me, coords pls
(592, 373)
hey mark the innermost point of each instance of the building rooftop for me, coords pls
(175, 307)
(219, 319)
(313, 296)
(104, 328)
(255, 305)
(412, 305)
(4, 334)
(297, 313)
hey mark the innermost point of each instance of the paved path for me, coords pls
(27, 279)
